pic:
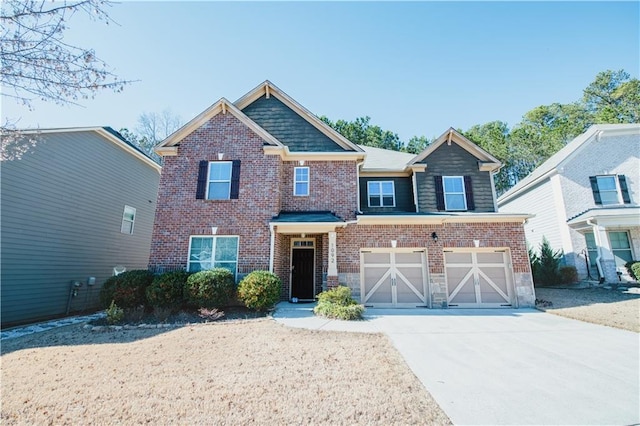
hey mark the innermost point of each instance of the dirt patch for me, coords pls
(235, 372)
(613, 308)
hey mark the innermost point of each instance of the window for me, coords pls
(301, 181)
(610, 189)
(213, 252)
(592, 248)
(621, 248)
(128, 219)
(381, 194)
(218, 180)
(454, 195)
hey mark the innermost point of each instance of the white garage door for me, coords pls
(393, 278)
(478, 279)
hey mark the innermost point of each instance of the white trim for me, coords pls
(464, 193)
(292, 248)
(295, 181)
(618, 190)
(209, 180)
(437, 219)
(124, 219)
(382, 195)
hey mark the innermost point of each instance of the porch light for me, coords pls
(434, 237)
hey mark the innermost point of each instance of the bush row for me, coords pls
(213, 288)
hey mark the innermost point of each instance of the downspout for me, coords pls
(596, 237)
(358, 164)
(272, 246)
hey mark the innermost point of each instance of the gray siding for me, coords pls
(403, 192)
(61, 214)
(288, 127)
(452, 160)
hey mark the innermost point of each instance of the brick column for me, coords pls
(332, 264)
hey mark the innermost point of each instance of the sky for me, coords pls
(415, 68)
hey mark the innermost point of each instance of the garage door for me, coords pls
(478, 279)
(396, 278)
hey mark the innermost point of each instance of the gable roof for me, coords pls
(222, 106)
(268, 89)
(106, 132)
(567, 152)
(488, 161)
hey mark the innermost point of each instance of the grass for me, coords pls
(238, 372)
(595, 305)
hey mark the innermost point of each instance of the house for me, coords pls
(262, 183)
(585, 200)
(77, 206)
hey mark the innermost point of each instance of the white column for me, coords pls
(332, 269)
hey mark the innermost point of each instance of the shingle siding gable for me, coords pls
(289, 127)
(453, 160)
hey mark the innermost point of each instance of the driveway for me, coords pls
(508, 366)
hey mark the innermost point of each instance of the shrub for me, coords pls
(209, 289)
(166, 290)
(114, 313)
(259, 290)
(127, 289)
(337, 303)
(134, 315)
(568, 274)
(633, 269)
(544, 266)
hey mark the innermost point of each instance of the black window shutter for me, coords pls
(594, 188)
(439, 192)
(468, 191)
(624, 189)
(203, 170)
(235, 179)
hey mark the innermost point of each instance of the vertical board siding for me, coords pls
(62, 208)
(452, 160)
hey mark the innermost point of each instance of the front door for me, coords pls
(302, 273)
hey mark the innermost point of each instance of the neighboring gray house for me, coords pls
(75, 207)
(586, 201)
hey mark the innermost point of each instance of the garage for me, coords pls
(393, 278)
(479, 278)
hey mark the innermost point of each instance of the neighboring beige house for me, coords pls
(585, 200)
(77, 205)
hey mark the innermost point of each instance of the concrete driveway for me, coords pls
(508, 367)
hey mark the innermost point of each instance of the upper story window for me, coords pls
(610, 189)
(301, 181)
(128, 220)
(218, 180)
(454, 193)
(381, 194)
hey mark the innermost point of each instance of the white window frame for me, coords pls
(301, 181)
(616, 182)
(463, 193)
(381, 195)
(127, 221)
(209, 180)
(213, 251)
(614, 250)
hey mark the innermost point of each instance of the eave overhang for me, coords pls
(622, 217)
(286, 155)
(441, 219)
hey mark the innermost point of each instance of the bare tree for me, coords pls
(152, 129)
(36, 61)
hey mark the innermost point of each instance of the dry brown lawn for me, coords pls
(596, 305)
(241, 372)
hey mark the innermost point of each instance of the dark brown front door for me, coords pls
(302, 273)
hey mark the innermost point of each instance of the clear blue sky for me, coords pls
(416, 68)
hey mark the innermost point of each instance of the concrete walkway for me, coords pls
(507, 367)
